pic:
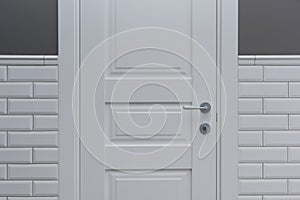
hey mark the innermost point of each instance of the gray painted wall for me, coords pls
(28, 27)
(266, 27)
(269, 27)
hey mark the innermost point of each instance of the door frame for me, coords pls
(227, 59)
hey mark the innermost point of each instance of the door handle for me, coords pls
(204, 107)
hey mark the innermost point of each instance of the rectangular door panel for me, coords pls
(158, 185)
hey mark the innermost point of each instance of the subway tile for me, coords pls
(3, 171)
(250, 198)
(281, 197)
(282, 138)
(294, 122)
(33, 139)
(282, 106)
(45, 188)
(263, 89)
(45, 90)
(263, 122)
(33, 106)
(282, 73)
(250, 106)
(3, 139)
(294, 89)
(250, 138)
(294, 186)
(294, 154)
(45, 122)
(15, 155)
(3, 106)
(262, 154)
(16, 90)
(33, 172)
(259, 187)
(281, 170)
(250, 170)
(45, 155)
(250, 73)
(3, 73)
(32, 73)
(15, 188)
(16, 122)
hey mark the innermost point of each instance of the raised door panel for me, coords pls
(158, 185)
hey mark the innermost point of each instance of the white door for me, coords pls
(141, 100)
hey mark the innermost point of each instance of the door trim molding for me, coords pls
(68, 26)
(228, 64)
(68, 66)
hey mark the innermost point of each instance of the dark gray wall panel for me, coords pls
(269, 27)
(28, 27)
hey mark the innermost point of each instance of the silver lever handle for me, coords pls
(204, 107)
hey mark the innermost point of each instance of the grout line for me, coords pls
(263, 71)
(289, 128)
(263, 105)
(6, 73)
(263, 170)
(287, 155)
(288, 186)
(263, 138)
(32, 188)
(7, 171)
(33, 93)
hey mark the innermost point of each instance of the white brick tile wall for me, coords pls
(281, 138)
(3, 106)
(45, 188)
(262, 186)
(32, 106)
(294, 89)
(33, 139)
(16, 90)
(282, 106)
(247, 60)
(250, 138)
(3, 73)
(269, 136)
(294, 154)
(263, 89)
(32, 73)
(45, 155)
(250, 73)
(262, 154)
(3, 172)
(263, 122)
(29, 129)
(294, 186)
(250, 198)
(282, 73)
(250, 106)
(32, 198)
(294, 122)
(16, 122)
(45, 90)
(3, 139)
(33, 172)
(48, 122)
(282, 170)
(281, 197)
(15, 188)
(15, 155)
(250, 170)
